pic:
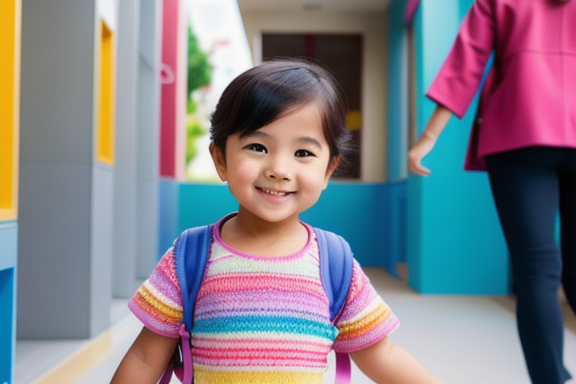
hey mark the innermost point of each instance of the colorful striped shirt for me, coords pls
(263, 320)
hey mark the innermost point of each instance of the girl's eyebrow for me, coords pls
(310, 140)
(302, 139)
(255, 133)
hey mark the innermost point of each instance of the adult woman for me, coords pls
(525, 137)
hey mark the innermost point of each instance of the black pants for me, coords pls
(530, 186)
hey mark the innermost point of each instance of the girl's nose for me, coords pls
(277, 169)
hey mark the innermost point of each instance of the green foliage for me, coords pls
(199, 70)
(190, 106)
(194, 130)
(199, 75)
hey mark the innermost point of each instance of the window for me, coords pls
(343, 55)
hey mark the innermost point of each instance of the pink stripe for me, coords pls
(261, 353)
(235, 358)
(262, 363)
(245, 281)
(270, 302)
(212, 342)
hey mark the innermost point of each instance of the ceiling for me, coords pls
(318, 6)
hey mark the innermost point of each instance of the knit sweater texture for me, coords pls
(263, 320)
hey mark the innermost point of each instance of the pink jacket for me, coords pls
(529, 96)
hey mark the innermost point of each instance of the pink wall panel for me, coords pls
(171, 8)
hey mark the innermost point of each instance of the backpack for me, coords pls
(191, 250)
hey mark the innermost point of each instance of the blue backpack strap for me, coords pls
(191, 253)
(335, 269)
(336, 264)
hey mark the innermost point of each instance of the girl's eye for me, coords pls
(257, 148)
(303, 153)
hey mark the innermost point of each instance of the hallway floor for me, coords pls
(461, 339)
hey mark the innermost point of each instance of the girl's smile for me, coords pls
(273, 193)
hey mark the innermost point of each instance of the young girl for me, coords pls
(262, 315)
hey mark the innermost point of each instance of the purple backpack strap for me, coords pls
(336, 274)
(181, 364)
(167, 375)
(343, 369)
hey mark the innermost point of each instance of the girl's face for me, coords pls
(279, 170)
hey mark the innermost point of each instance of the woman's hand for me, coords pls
(433, 129)
(417, 153)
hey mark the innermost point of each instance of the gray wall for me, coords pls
(149, 95)
(138, 119)
(64, 273)
(125, 190)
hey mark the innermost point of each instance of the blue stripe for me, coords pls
(275, 324)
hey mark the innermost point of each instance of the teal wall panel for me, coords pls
(455, 244)
(201, 204)
(359, 212)
(7, 340)
(168, 214)
(8, 256)
(397, 120)
(395, 224)
(355, 211)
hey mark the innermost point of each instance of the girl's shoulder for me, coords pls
(167, 267)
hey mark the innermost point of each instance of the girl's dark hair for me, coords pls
(274, 88)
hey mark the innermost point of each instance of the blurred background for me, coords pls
(104, 119)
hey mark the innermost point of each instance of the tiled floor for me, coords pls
(461, 339)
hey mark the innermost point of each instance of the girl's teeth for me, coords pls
(274, 193)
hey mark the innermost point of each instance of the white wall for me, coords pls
(373, 28)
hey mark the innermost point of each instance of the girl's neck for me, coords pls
(250, 234)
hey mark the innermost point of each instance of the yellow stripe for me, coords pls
(147, 298)
(365, 324)
(80, 363)
(216, 377)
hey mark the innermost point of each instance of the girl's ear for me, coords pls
(331, 168)
(219, 161)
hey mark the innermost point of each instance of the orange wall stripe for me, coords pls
(10, 14)
(106, 106)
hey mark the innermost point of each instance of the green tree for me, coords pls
(199, 75)
(199, 70)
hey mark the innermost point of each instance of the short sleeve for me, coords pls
(158, 301)
(365, 318)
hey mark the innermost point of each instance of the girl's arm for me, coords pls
(146, 359)
(384, 362)
(433, 129)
